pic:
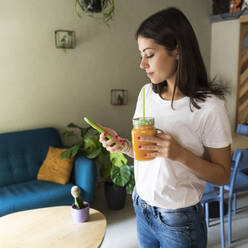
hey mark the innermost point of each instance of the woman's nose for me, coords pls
(144, 64)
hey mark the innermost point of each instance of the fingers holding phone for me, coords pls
(108, 137)
(114, 144)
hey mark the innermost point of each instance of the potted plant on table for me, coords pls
(117, 175)
(80, 208)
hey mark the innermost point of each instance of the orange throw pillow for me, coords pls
(55, 169)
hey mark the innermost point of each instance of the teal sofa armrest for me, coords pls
(85, 176)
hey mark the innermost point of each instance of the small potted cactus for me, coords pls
(80, 208)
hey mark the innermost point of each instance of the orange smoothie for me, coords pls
(142, 128)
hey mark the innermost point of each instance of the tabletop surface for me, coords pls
(51, 228)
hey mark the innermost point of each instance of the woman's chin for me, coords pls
(154, 81)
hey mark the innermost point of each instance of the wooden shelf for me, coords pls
(228, 16)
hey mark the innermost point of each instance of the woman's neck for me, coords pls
(167, 93)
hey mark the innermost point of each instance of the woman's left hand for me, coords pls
(164, 146)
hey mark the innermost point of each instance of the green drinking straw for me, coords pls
(143, 91)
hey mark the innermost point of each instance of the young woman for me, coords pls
(193, 117)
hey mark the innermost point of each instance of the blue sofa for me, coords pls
(21, 155)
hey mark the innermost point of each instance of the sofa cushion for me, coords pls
(23, 152)
(54, 168)
(33, 194)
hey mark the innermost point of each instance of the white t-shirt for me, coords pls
(167, 184)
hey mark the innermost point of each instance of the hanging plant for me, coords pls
(102, 10)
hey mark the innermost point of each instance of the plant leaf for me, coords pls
(74, 150)
(105, 170)
(104, 164)
(118, 159)
(71, 152)
(130, 185)
(94, 153)
(120, 175)
(66, 154)
(91, 143)
(77, 6)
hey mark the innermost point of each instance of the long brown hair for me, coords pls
(171, 29)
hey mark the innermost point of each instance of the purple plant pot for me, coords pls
(80, 215)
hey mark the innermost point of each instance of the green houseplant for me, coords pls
(102, 10)
(113, 168)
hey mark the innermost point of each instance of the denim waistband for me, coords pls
(197, 208)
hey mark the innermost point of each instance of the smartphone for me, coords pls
(100, 130)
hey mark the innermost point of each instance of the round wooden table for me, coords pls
(51, 228)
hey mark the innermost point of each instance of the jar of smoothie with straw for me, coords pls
(142, 127)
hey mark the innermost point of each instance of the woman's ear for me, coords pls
(175, 53)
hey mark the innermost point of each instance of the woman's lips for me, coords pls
(149, 74)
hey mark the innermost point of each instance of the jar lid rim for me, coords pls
(140, 121)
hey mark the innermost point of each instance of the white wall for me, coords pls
(224, 59)
(43, 86)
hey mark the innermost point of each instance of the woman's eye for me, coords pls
(149, 56)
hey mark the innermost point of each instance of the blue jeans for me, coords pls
(172, 228)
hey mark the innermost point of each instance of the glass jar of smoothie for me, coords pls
(142, 127)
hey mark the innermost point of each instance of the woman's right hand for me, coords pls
(115, 144)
